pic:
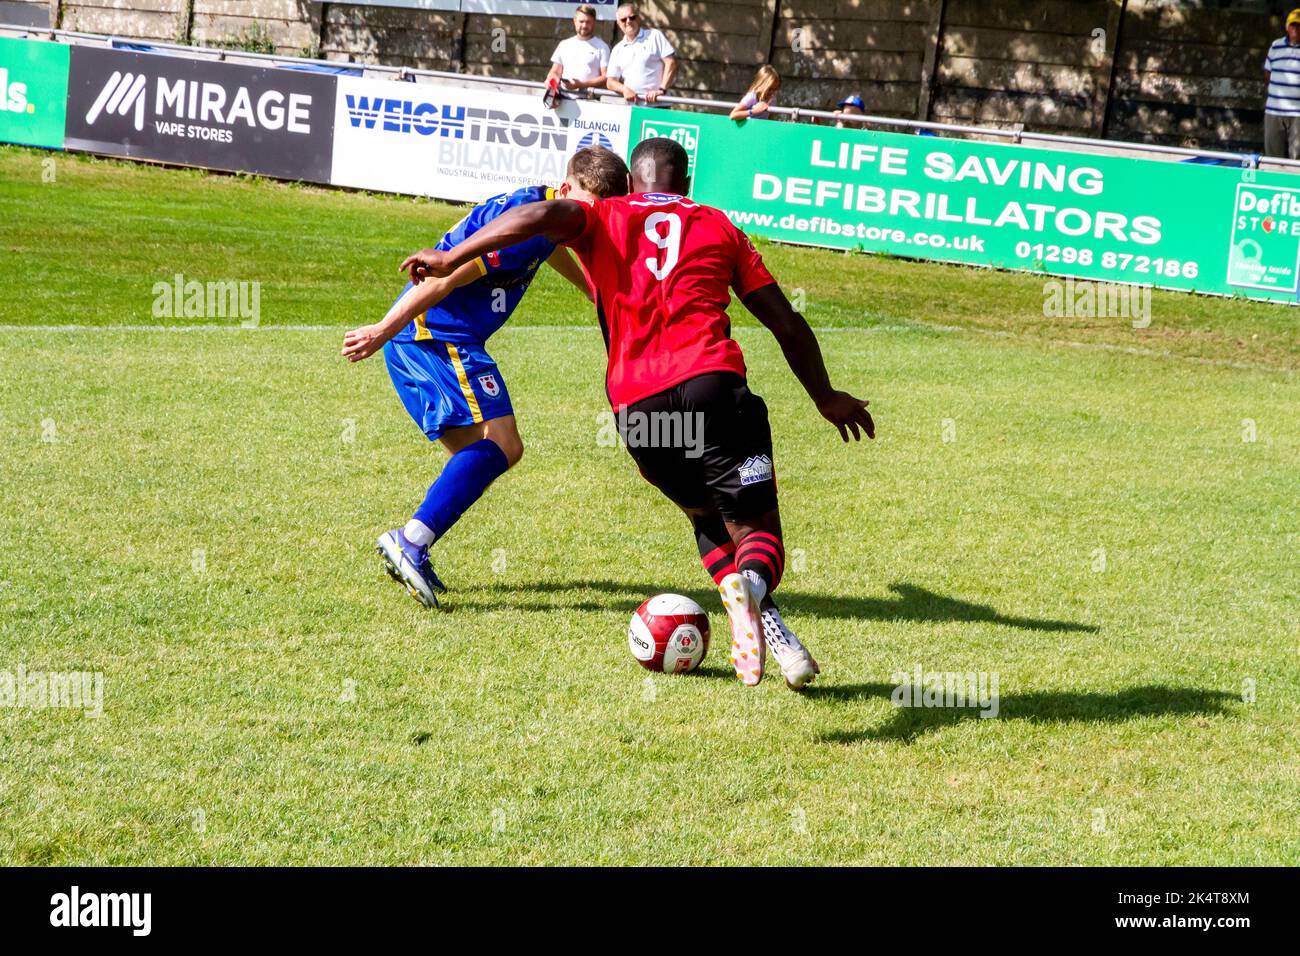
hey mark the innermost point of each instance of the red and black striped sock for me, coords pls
(762, 553)
(720, 562)
(717, 553)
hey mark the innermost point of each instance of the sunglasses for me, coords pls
(628, 19)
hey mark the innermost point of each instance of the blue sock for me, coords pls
(462, 482)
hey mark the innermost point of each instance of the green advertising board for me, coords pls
(33, 92)
(1170, 224)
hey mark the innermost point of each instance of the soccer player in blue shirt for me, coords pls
(433, 340)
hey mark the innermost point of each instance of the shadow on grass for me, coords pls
(908, 723)
(911, 603)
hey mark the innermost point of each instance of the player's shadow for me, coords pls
(908, 723)
(910, 603)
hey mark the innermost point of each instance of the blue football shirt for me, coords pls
(473, 312)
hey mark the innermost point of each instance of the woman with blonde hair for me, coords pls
(762, 94)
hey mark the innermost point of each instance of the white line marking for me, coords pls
(173, 328)
(916, 326)
(120, 327)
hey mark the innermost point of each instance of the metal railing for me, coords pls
(1016, 134)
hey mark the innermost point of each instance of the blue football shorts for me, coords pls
(447, 384)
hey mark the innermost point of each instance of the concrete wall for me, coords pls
(26, 13)
(1188, 75)
(293, 26)
(1038, 64)
(136, 19)
(1183, 73)
(880, 49)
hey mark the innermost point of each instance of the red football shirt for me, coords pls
(661, 266)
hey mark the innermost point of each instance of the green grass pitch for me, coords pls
(1074, 505)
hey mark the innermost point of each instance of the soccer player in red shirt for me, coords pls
(662, 267)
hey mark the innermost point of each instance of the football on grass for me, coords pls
(669, 633)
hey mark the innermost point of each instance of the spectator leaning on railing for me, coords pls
(1282, 107)
(643, 63)
(761, 94)
(579, 62)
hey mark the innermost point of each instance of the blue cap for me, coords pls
(853, 100)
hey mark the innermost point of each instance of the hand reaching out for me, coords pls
(848, 414)
(362, 343)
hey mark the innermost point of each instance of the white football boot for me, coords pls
(408, 565)
(748, 649)
(797, 665)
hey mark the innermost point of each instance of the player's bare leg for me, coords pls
(503, 430)
(760, 561)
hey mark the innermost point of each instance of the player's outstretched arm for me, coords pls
(365, 341)
(558, 220)
(804, 355)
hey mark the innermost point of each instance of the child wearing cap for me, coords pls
(849, 106)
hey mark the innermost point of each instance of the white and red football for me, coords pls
(669, 633)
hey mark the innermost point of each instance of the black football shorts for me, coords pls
(705, 441)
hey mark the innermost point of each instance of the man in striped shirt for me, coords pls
(1282, 109)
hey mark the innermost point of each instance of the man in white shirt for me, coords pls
(579, 62)
(1282, 107)
(643, 63)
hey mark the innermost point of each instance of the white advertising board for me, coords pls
(451, 143)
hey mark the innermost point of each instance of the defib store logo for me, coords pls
(1276, 214)
(686, 135)
(1265, 245)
